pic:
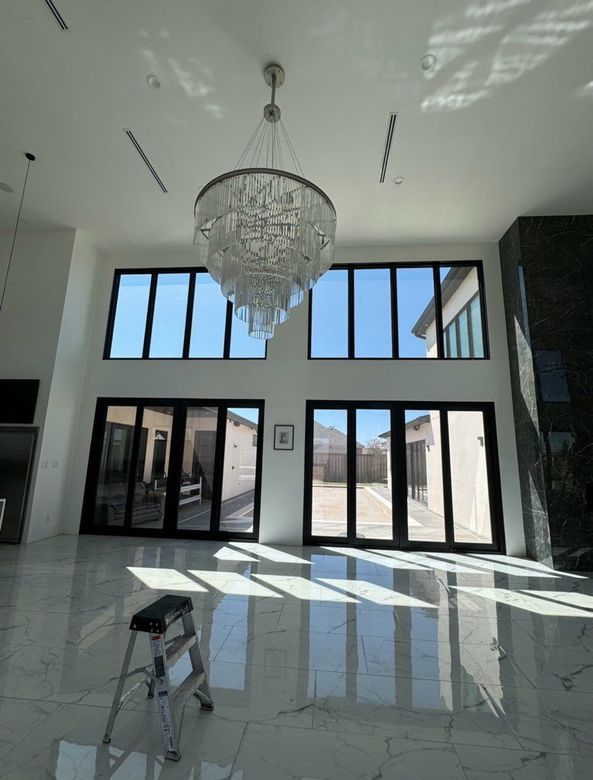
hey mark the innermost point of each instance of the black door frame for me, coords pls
(398, 476)
(169, 529)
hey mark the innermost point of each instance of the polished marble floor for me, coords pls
(325, 663)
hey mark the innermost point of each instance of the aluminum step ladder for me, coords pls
(155, 620)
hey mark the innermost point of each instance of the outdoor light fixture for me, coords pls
(265, 234)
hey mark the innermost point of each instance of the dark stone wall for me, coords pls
(547, 273)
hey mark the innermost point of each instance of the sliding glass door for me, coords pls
(175, 468)
(402, 475)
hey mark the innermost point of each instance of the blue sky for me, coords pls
(372, 307)
(369, 422)
(208, 320)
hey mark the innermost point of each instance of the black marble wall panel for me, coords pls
(547, 272)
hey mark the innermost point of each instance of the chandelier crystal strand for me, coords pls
(265, 235)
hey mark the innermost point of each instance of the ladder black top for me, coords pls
(158, 616)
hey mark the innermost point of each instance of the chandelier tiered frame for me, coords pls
(266, 235)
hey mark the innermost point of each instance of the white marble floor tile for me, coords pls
(410, 708)
(486, 763)
(18, 718)
(323, 663)
(556, 669)
(566, 633)
(282, 753)
(294, 649)
(485, 664)
(68, 746)
(550, 721)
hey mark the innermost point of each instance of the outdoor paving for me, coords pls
(373, 515)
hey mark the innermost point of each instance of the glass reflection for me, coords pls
(424, 470)
(330, 473)
(239, 470)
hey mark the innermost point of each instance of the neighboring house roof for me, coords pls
(243, 420)
(449, 285)
(420, 420)
(209, 411)
(336, 439)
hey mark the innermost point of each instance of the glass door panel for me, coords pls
(239, 470)
(194, 508)
(469, 478)
(369, 468)
(114, 468)
(176, 465)
(329, 515)
(150, 487)
(424, 475)
(374, 507)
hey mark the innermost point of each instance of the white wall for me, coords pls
(44, 334)
(287, 379)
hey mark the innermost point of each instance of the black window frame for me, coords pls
(169, 529)
(399, 484)
(154, 274)
(436, 267)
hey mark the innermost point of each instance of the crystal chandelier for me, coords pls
(265, 234)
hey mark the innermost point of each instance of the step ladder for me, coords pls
(155, 620)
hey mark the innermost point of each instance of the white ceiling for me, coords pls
(502, 127)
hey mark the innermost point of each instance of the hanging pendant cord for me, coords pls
(30, 158)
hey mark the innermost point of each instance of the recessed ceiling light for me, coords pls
(428, 62)
(152, 81)
(5, 187)
(399, 180)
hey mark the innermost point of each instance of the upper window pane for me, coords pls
(130, 316)
(416, 312)
(372, 313)
(462, 306)
(476, 324)
(242, 345)
(170, 309)
(208, 319)
(329, 317)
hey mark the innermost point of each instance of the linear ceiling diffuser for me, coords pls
(265, 234)
(56, 14)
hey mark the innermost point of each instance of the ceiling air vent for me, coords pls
(145, 159)
(388, 142)
(56, 14)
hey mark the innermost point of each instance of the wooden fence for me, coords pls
(332, 467)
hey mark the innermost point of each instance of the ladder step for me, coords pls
(179, 646)
(191, 683)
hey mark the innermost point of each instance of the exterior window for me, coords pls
(372, 313)
(415, 312)
(168, 323)
(239, 470)
(181, 313)
(329, 320)
(402, 475)
(242, 345)
(462, 312)
(208, 319)
(399, 310)
(129, 326)
(175, 467)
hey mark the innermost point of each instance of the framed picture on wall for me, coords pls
(284, 437)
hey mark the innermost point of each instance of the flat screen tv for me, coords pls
(18, 398)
